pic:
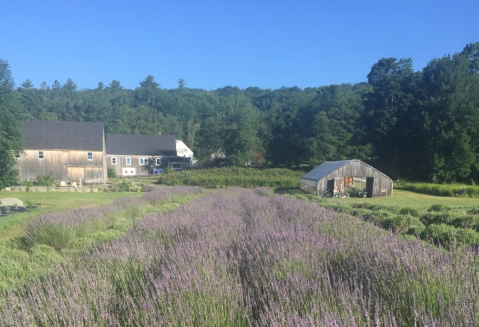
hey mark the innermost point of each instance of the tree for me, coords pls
(27, 84)
(450, 117)
(11, 139)
(115, 85)
(181, 83)
(147, 92)
(388, 111)
(70, 85)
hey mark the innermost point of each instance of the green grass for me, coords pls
(12, 225)
(408, 198)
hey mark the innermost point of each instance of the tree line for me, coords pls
(416, 125)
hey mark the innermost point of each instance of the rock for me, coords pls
(11, 202)
(8, 189)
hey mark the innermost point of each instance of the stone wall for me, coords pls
(50, 189)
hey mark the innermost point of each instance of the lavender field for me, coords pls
(240, 257)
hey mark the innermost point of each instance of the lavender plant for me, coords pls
(246, 258)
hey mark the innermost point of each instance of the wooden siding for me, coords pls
(382, 186)
(65, 165)
(140, 170)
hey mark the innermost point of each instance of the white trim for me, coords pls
(113, 160)
(128, 161)
(41, 155)
(88, 156)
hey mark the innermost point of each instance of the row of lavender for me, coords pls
(59, 230)
(249, 258)
(50, 237)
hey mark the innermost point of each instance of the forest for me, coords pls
(414, 125)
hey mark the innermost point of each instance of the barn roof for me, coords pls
(140, 145)
(325, 169)
(63, 135)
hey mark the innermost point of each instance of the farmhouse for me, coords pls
(70, 151)
(347, 177)
(136, 155)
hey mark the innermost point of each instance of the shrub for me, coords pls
(440, 234)
(439, 208)
(409, 211)
(233, 176)
(437, 218)
(402, 224)
(466, 221)
(111, 172)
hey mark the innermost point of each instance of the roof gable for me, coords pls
(63, 135)
(141, 145)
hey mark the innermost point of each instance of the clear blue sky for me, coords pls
(212, 43)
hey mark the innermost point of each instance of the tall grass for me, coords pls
(233, 176)
(249, 258)
(440, 189)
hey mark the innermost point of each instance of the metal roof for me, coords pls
(63, 135)
(325, 169)
(140, 145)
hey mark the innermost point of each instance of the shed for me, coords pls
(347, 177)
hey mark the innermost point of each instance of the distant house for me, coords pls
(70, 151)
(184, 157)
(340, 178)
(136, 155)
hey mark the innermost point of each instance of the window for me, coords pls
(18, 154)
(113, 160)
(158, 161)
(128, 161)
(90, 155)
(143, 161)
(40, 154)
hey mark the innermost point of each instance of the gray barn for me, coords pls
(347, 177)
(70, 151)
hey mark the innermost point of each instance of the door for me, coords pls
(76, 174)
(370, 186)
(331, 187)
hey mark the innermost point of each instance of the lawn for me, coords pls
(413, 199)
(40, 203)
(399, 198)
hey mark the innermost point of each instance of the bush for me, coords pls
(111, 172)
(42, 180)
(440, 189)
(440, 234)
(233, 176)
(466, 221)
(403, 224)
(409, 211)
